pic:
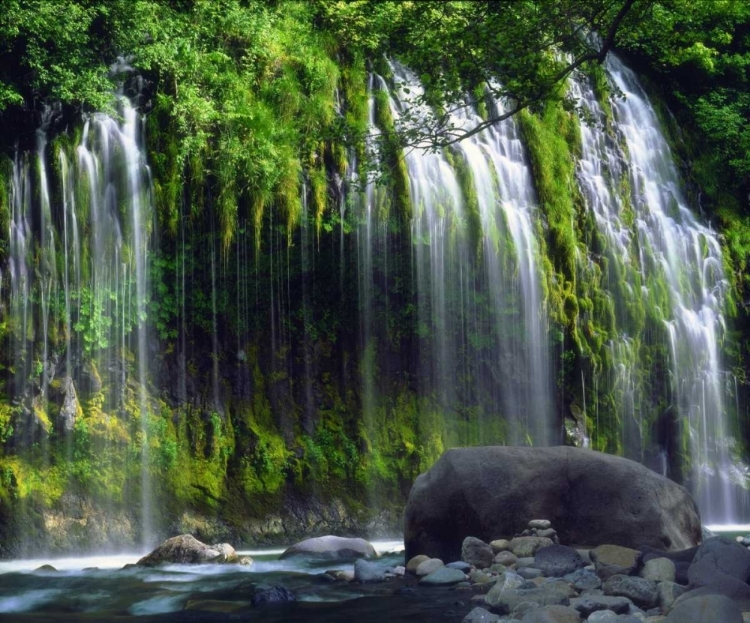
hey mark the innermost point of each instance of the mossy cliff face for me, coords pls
(270, 384)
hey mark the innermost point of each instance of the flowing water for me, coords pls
(468, 263)
(107, 588)
(99, 288)
(481, 316)
(660, 252)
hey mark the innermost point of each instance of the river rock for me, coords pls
(445, 576)
(476, 552)
(330, 547)
(500, 545)
(583, 579)
(505, 558)
(612, 560)
(706, 609)
(724, 585)
(590, 498)
(530, 573)
(480, 615)
(589, 604)
(668, 594)
(557, 560)
(527, 546)
(640, 591)
(461, 565)
(366, 571)
(552, 614)
(429, 566)
(505, 601)
(186, 549)
(719, 555)
(411, 566)
(658, 570)
(272, 595)
(607, 616)
(540, 524)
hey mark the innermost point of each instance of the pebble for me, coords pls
(540, 524)
(428, 566)
(500, 545)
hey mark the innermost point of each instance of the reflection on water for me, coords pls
(99, 588)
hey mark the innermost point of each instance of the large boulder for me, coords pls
(186, 549)
(590, 498)
(331, 547)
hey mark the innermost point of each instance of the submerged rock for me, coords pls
(331, 547)
(186, 549)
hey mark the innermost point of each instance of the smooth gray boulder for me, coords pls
(445, 576)
(719, 555)
(590, 498)
(706, 609)
(331, 547)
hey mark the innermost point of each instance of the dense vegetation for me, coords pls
(247, 103)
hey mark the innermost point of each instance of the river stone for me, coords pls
(330, 547)
(706, 609)
(506, 558)
(428, 566)
(721, 555)
(549, 533)
(445, 576)
(593, 603)
(612, 560)
(607, 616)
(476, 552)
(668, 594)
(461, 565)
(505, 582)
(411, 566)
(500, 545)
(272, 595)
(526, 561)
(557, 560)
(527, 546)
(583, 579)
(589, 497)
(365, 571)
(45, 569)
(505, 601)
(540, 524)
(530, 573)
(480, 615)
(658, 570)
(552, 614)
(640, 591)
(480, 577)
(186, 549)
(724, 585)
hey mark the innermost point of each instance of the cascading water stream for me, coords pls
(663, 254)
(451, 285)
(91, 241)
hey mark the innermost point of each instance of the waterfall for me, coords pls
(79, 265)
(481, 315)
(661, 253)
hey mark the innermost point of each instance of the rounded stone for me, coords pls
(429, 566)
(500, 545)
(640, 591)
(557, 560)
(540, 524)
(476, 552)
(612, 560)
(444, 576)
(331, 547)
(505, 558)
(411, 566)
(525, 546)
(658, 570)
(480, 615)
(706, 609)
